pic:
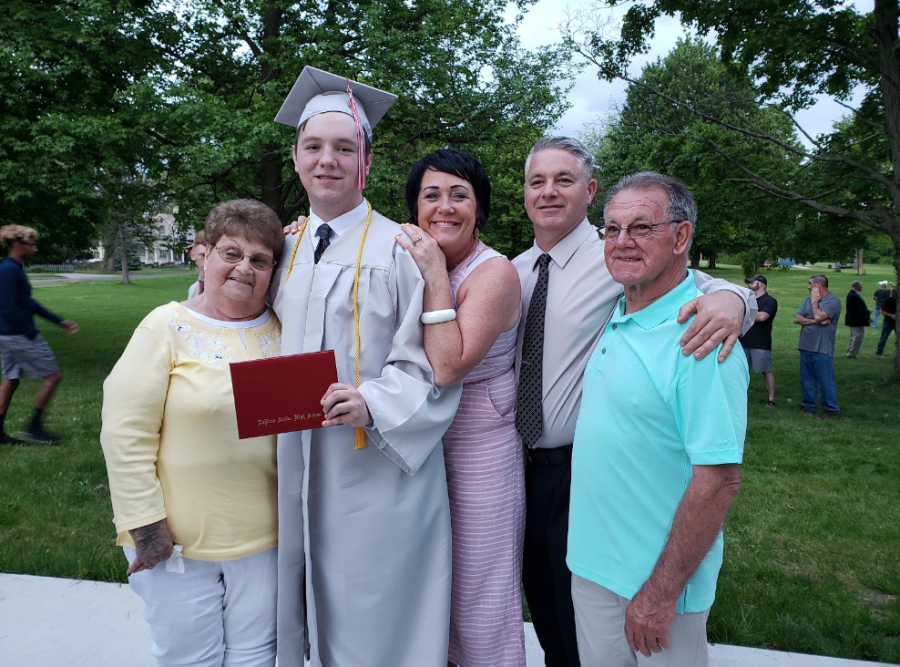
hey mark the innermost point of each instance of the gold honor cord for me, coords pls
(360, 436)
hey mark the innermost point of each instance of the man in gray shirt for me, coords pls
(565, 284)
(818, 316)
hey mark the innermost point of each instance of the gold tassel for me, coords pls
(360, 436)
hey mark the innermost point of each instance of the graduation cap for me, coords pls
(317, 91)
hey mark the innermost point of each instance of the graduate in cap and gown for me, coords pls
(364, 523)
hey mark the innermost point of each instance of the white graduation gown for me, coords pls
(369, 528)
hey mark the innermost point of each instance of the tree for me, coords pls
(795, 50)
(66, 120)
(457, 67)
(185, 93)
(648, 134)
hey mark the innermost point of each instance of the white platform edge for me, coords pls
(74, 623)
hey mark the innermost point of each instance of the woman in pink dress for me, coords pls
(472, 298)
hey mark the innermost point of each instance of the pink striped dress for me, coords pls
(486, 481)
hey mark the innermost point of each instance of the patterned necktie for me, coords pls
(529, 409)
(324, 234)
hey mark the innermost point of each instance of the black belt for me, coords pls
(550, 457)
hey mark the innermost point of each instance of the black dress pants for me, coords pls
(545, 576)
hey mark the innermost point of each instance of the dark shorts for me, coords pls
(759, 361)
(20, 355)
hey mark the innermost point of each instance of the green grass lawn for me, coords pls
(811, 544)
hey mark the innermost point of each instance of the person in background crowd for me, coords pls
(757, 342)
(22, 348)
(566, 284)
(882, 294)
(818, 316)
(889, 310)
(198, 254)
(857, 318)
(657, 450)
(195, 507)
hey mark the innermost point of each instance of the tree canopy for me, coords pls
(182, 95)
(67, 124)
(650, 133)
(794, 51)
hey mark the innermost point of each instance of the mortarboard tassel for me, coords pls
(360, 141)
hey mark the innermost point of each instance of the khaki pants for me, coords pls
(600, 624)
(856, 340)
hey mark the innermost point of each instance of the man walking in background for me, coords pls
(818, 316)
(757, 342)
(857, 318)
(22, 349)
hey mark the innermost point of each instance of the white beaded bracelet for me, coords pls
(438, 316)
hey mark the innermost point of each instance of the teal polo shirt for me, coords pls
(648, 414)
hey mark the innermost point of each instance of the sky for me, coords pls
(592, 99)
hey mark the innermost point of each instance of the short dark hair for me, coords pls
(366, 141)
(456, 163)
(819, 278)
(248, 218)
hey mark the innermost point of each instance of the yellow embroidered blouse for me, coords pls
(170, 436)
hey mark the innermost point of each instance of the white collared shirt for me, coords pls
(338, 225)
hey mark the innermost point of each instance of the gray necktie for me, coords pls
(324, 234)
(529, 406)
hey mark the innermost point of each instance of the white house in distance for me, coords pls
(160, 251)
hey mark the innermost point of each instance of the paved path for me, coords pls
(38, 278)
(48, 622)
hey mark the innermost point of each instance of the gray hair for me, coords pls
(857, 285)
(570, 145)
(680, 204)
(820, 279)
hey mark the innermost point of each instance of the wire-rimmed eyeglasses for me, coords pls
(232, 255)
(638, 230)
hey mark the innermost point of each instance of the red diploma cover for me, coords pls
(281, 394)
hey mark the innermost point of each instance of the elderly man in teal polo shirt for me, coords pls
(657, 447)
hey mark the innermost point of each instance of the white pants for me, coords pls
(214, 614)
(600, 627)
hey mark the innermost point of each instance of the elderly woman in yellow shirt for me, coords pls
(195, 507)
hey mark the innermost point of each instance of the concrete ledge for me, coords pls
(73, 623)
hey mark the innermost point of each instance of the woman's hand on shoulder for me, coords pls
(424, 250)
(295, 226)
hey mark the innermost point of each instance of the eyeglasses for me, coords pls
(232, 255)
(639, 230)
